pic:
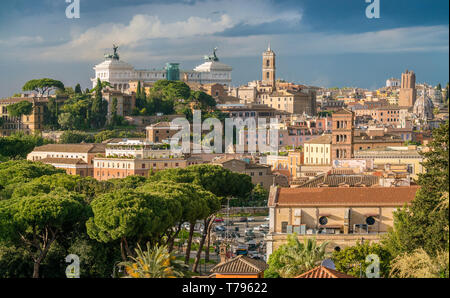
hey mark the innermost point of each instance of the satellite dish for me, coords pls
(328, 263)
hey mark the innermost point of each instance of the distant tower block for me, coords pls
(268, 69)
(407, 96)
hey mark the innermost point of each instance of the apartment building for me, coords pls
(408, 156)
(159, 132)
(75, 159)
(260, 174)
(340, 215)
(318, 150)
(28, 124)
(106, 168)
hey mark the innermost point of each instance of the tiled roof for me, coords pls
(323, 272)
(324, 139)
(343, 196)
(336, 180)
(72, 148)
(387, 138)
(240, 264)
(343, 111)
(164, 124)
(72, 161)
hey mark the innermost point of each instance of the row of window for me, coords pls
(317, 149)
(311, 161)
(119, 165)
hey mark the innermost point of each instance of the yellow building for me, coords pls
(27, 124)
(340, 215)
(318, 151)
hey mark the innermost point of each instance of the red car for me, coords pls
(218, 219)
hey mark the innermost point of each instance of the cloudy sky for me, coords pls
(318, 42)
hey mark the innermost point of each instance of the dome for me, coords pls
(423, 107)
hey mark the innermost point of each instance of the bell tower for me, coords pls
(268, 68)
(342, 135)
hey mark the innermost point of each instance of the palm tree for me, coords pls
(155, 262)
(301, 257)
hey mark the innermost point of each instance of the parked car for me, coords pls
(257, 228)
(250, 219)
(219, 219)
(243, 219)
(264, 226)
(241, 250)
(220, 229)
(267, 219)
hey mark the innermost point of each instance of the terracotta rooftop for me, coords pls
(324, 139)
(240, 264)
(164, 124)
(343, 111)
(72, 148)
(72, 161)
(337, 180)
(342, 196)
(387, 138)
(323, 272)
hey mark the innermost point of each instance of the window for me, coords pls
(323, 220)
(370, 221)
(284, 225)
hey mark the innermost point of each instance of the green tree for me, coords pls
(37, 221)
(19, 109)
(189, 197)
(109, 134)
(419, 264)
(216, 179)
(78, 89)
(99, 107)
(76, 137)
(51, 113)
(294, 258)
(13, 173)
(127, 216)
(19, 145)
(43, 85)
(424, 224)
(205, 101)
(352, 260)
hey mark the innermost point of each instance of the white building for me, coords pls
(119, 73)
(393, 82)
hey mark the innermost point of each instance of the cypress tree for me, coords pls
(78, 89)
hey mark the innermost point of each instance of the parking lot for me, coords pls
(245, 234)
